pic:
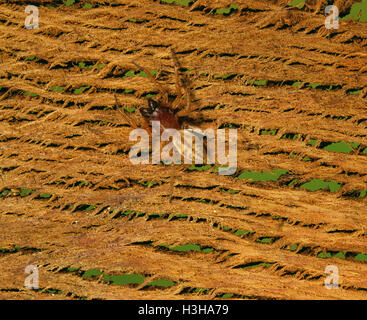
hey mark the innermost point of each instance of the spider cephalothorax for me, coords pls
(157, 112)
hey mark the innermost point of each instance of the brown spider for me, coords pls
(167, 113)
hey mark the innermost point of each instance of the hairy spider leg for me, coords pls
(150, 76)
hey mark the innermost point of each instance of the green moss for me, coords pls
(69, 2)
(186, 248)
(361, 257)
(72, 269)
(199, 168)
(262, 176)
(162, 283)
(358, 12)
(340, 255)
(91, 273)
(271, 132)
(324, 255)
(31, 94)
(57, 89)
(227, 295)
(88, 6)
(260, 82)
(25, 192)
(240, 232)
(228, 10)
(207, 250)
(45, 195)
(315, 85)
(339, 147)
(124, 279)
(265, 240)
(317, 184)
(293, 247)
(311, 142)
(297, 3)
(81, 90)
(185, 3)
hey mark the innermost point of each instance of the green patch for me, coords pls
(297, 3)
(31, 94)
(361, 257)
(314, 85)
(124, 279)
(317, 184)
(83, 65)
(185, 3)
(186, 248)
(293, 247)
(240, 232)
(132, 73)
(5, 192)
(52, 291)
(72, 269)
(324, 255)
(290, 184)
(265, 239)
(228, 10)
(229, 76)
(57, 89)
(30, 58)
(81, 90)
(270, 132)
(358, 12)
(354, 92)
(227, 295)
(88, 6)
(342, 147)
(91, 273)
(25, 192)
(260, 82)
(45, 195)
(363, 193)
(296, 83)
(69, 2)
(199, 168)
(340, 255)
(311, 142)
(162, 283)
(262, 176)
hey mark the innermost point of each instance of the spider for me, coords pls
(162, 109)
(167, 113)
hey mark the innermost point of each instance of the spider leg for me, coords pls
(129, 120)
(150, 76)
(181, 83)
(172, 182)
(177, 67)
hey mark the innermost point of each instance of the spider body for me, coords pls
(161, 113)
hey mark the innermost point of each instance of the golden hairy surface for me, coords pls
(97, 226)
